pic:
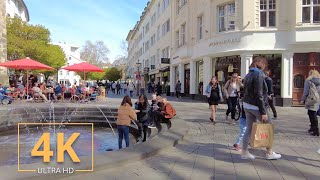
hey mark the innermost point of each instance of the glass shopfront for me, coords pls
(224, 67)
(199, 77)
(187, 79)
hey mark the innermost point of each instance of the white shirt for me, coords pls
(234, 90)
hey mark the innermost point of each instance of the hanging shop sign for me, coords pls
(165, 60)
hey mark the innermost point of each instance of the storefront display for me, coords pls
(200, 76)
(226, 66)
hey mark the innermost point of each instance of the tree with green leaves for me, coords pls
(113, 74)
(27, 40)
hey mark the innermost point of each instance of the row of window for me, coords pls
(152, 63)
(227, 20)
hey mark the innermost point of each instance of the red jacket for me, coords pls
(169, 111)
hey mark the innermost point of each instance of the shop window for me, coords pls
(318, 59)
(298, 81)
(301, 59)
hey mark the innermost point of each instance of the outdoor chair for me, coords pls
(73, 95)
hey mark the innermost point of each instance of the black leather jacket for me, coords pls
(255, 89)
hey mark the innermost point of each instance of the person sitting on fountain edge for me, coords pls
(167, 112)
(142, 109)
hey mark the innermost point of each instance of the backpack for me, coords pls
(313, 96)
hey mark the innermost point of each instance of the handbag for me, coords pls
(262, 135)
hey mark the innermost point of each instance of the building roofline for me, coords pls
(144, 12)
(26, 8)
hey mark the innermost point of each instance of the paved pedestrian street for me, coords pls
(205, 152)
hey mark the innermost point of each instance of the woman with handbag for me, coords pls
(311, 100)
(214, 94)
(254, 104)
(142, 109)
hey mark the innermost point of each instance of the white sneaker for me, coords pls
(273, 156)
(318, 151)
(247, 155)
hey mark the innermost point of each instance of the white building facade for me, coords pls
(17, 8)
(217, 38)
(72, 54)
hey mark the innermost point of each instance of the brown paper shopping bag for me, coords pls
(262, 135)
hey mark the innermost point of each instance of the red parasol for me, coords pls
(26, 64)
(83, 67)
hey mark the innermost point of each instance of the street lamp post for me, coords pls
(138, 77)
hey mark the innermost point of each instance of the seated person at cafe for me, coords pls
(43, 86)
(21, 89)
(37, 91)
(57, 91)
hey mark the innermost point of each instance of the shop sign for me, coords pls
(225, 42)
(165, 60)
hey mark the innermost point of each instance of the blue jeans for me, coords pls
(131, 93)
(243, 127)
(123, 131)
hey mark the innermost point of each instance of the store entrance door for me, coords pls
(187, 81)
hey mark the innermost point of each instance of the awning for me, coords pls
(165, 69)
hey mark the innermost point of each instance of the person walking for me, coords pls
(214, 94)
(114, 86)
(159, 89)
(178, 90)
(254, 104)
(312, 84)
(125, 88)
(231, 88)
(125, 115)
(269, 82)
(118, 87)
(131, 88)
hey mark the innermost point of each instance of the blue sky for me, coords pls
(75, 21)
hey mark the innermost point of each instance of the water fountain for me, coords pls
(50, 113)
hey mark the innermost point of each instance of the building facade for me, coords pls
(3, 43)
(17, 8)
(217, 38)
(72, 54)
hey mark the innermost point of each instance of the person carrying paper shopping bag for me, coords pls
(254, 103)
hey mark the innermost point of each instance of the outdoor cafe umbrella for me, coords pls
(26, 64)
(83, 67)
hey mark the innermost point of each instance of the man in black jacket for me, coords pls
(254, 104)
(269, 82)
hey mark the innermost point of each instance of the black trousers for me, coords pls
(273, 108)
(313, 119)
(232, 103)
(144, 130)
(178, 94)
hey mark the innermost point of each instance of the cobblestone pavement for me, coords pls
(205, 152)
